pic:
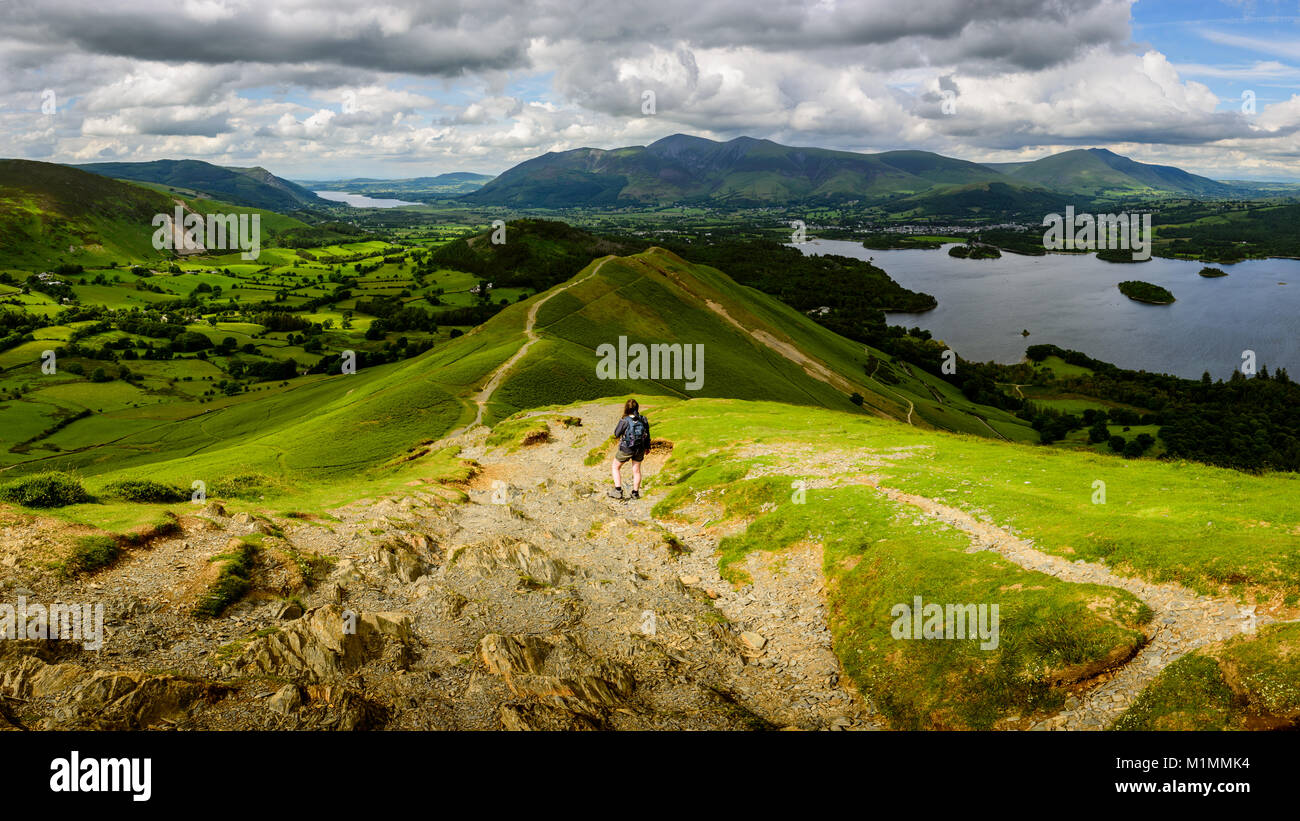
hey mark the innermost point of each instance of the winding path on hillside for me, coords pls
(910, 405)
(986, 424)
(1184, 620)
(494, 382)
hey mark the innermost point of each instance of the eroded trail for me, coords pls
(766, 644)
(785, 604)
(1184, 620)
(494, 381)
(532, 602)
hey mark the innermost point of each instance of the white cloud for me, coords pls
(307, 85)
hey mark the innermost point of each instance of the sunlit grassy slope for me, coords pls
(657, 297)
(52, 214)
(1212, 529)
(333, 426)
(1215, 530)
(318, 427)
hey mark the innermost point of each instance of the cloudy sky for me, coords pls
(398, 88)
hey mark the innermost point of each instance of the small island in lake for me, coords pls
(889, 242)
(1213, 272)
(1118, 255)
(1145, 292)
(974, 252)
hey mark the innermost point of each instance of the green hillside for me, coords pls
(540, 253)
(355, 421)
(50, 213)
(981, 198)
(362, 420)
(252, 187)
(1097, 172)
(54, 214)
(658, 297)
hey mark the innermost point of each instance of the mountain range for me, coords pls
(1098, 171)
(743, 172)
(47, 210)
(752, 172)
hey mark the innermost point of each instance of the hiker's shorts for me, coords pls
(622, 455)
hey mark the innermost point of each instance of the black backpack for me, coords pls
(636, 436)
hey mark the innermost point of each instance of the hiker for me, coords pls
(633, 434)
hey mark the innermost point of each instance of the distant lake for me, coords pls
(1071, 301)
(361, 200)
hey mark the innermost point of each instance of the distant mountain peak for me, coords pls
(681, 139)
(749, 171)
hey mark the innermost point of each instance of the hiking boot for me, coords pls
(616, 493)
(636, 494)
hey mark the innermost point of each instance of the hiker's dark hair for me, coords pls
(630, 407)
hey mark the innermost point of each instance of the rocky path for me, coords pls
(783, 610)
(782, 666)
(535, 602)
(1184, 620)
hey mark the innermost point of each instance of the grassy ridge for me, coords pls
(657, 296)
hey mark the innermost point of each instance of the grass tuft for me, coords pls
(45, 490)
(145, 490)
(233, 581)
(90, 553)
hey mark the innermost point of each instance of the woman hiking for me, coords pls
(633, 434)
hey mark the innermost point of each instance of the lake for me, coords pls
(1071, 301)
(361, 200)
